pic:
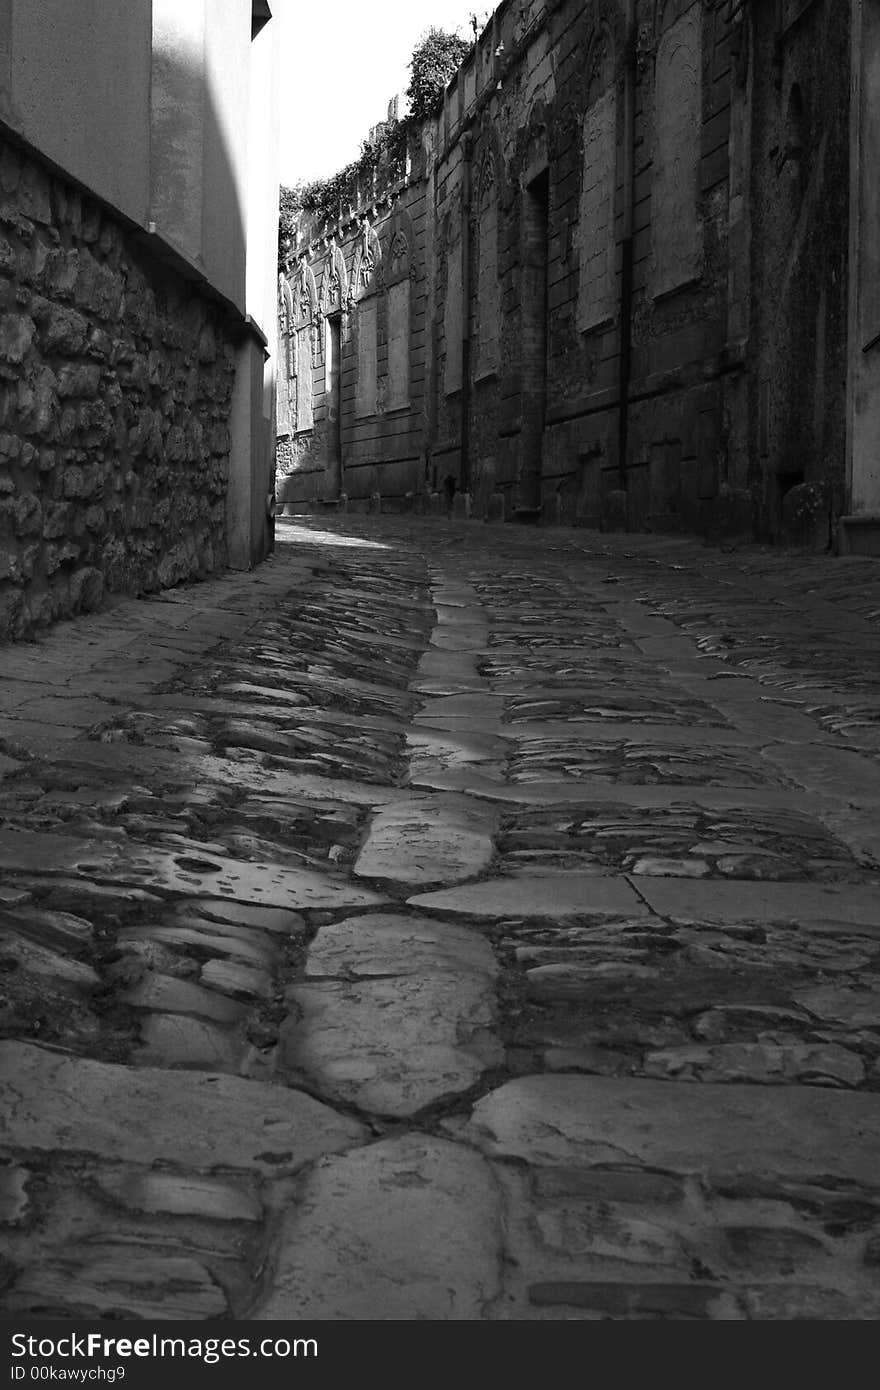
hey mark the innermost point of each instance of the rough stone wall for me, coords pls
(620, 236)
(115, 383)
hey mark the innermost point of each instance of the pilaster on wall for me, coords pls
(861, 527)
(251, 480)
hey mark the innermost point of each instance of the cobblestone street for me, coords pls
(447, 921)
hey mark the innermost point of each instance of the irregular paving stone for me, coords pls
(381, 943)
(241, 981)
(478, 709)
(463, 637)
(745, 900)
(407, 1228)
(63, 710)
(13, 897)
(446, 594)
(182, 1195)
(129, 1283)
(398, 1013)
(200, 1121)
(539, 895)
(638, 1186)
(85, 895)
(447, 673)
(830, 770)
(433, 840)
(725, 1021)
(176, 1040)
(207, 936)
(273, 919)
(854, 1008)
(671, 868)
(168, 994)
(62, 972)
(307, 786)
(439, 749)
(727, 1131)
(762, 1062)
(576, 980)
(237, 879)
(61, 930)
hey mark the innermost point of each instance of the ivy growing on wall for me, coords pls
(435, 59)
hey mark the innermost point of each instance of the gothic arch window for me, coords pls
(305, 313)
(596, 281)
(676, 232)
(362, 299)
(286, 370)
(397, 280)
(488, 299)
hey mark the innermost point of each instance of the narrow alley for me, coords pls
(447, 921)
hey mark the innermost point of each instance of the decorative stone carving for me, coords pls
(335, 286)
(399, 253)
(304, 297)
(366, 263)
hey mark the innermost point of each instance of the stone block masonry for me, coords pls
(115, 382)
(628, 282)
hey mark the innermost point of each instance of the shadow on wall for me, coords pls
(126, 365)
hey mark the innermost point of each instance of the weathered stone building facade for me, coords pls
(611, 284)
(137, 244)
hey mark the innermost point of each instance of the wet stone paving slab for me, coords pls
(447, 921)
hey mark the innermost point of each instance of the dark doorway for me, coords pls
(535, 238)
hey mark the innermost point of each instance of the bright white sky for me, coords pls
(342, 62)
